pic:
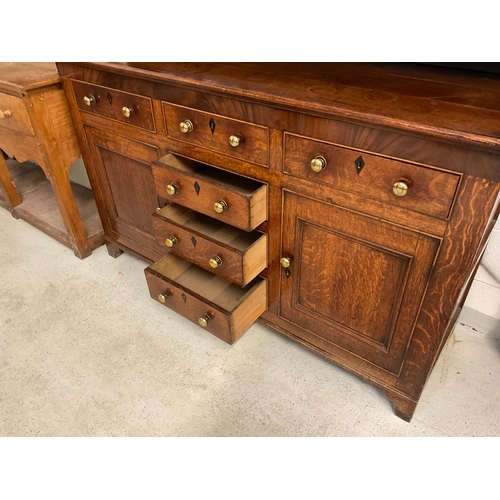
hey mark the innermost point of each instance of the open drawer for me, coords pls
(233, 254)
(222, 308)
(230, 198)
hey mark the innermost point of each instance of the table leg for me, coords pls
(7, 183)
(63, 192)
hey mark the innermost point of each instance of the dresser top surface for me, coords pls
(17, 78)
(442, 102)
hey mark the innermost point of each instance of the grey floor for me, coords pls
(84, 351)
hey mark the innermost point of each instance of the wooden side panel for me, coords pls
(465, 232)
(59, 124)
(13, 114)
(21, 147)
(247, 313)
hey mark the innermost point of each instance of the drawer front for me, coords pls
(220, 307)
(214, 132)
(231, 253)
(230, 198)
(13, 114)
(430, 191)
(124, 107)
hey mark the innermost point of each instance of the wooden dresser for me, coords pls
(347, 206)
(35, 124)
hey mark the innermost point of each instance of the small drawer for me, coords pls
(228, 197)
(124, 107)
(231, 253)
(222, 308)
(422, 189)
(13, 114)
(225, 135)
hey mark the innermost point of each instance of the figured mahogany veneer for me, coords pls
(431, 191)
(110, 103)
(374, 188)
(213, 131)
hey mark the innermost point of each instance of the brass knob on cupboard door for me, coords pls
(204, 320)
(170, 242)
(215, 262)
(186, 126)
(89, 100)
(318, 164)
(162, 297)
(234, 140)
(172, 189)
(400, 188)
(285, 262)
(127, 112)
(220, 206)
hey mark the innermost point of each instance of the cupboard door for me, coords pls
(353, 280)
(123, 169)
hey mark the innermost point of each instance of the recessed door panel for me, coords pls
(123, 168)
(353, 280)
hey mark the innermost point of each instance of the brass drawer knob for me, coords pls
(186, 126)
(89, 100)
(5, 114)
(215, 262)
(234, 141)
(318, 164)
(285, 262)
(400, 188)
(220, 206)
(127, 112)
(170, 242)
(162, 297)
(204, 320)
(172, 189)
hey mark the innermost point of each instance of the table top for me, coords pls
(18, 78)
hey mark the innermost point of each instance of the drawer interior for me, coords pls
(202, 283)
(210, 228)
(222, 178)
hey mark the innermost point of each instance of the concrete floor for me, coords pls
(84, 351)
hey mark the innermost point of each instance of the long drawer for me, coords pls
(231, 253)
(220, 307)
(406, 185)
